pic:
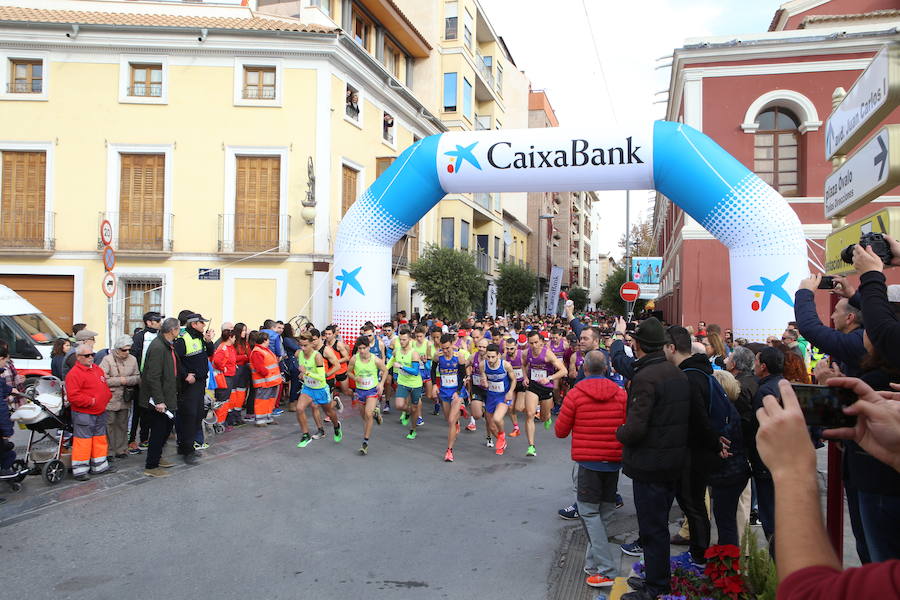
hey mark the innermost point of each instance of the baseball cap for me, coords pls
(85, 334)
(153, 316)
(196, 318)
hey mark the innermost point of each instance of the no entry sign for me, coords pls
(629, 291)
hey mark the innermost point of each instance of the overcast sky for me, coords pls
(552, 43)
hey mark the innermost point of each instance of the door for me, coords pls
(53, 295)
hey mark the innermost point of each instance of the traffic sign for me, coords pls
(106, 232)
(109, 284)
(868, 173)
(872, 97)
(629, 291)
(886, 220)
(109, 258)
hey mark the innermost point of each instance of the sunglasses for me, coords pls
(86, 355)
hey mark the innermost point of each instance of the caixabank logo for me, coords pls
(462, 154)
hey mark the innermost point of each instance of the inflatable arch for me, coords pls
(763, 234)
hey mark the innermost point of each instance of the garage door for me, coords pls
(53, 294)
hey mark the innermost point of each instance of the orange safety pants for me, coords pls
(89, 445)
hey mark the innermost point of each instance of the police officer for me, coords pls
(193, 349)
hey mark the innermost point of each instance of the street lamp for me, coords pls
(549, 217)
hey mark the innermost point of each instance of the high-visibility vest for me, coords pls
(192, 345)
(273, 372)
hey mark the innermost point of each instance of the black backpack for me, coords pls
(723, 416)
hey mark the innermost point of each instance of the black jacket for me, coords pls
(768, 386)
(703, 440)
(846, 348)
(197, 364)
(137, 342)
(159, 377)
(744, 404)
(878, 316)
(655, 433)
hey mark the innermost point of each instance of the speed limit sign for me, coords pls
(109, 284)
(106, 232)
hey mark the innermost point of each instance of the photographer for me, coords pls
(844, 342)
(807, 565)
(878, 314)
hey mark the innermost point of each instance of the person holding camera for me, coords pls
(844, 342)
(878, 313)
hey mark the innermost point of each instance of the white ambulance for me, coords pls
(29, 334)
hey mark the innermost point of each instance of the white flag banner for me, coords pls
(492, 299)
(556, 274)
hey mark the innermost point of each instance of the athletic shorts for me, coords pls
(341, 376)
(543, 393)
(318, 395)
(478, 393)
(414, 394)
(361, 395)
(462, 394)
(495, 400)
(520, 387)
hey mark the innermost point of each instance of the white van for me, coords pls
(28, 332)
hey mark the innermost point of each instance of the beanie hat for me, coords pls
(650, 332)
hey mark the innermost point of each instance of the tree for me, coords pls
(515, 288)
(610, 299)
(579, 296)
(641, 241)
(449, 281)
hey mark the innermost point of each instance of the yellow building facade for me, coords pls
(221, 144)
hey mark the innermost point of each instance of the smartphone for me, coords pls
(822, 405)
(827, 283)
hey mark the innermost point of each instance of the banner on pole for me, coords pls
(556, 274)
(492, 299)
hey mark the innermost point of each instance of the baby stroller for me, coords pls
(44, 414)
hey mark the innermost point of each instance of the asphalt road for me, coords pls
(260, 518)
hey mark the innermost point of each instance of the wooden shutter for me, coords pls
(257, 203)
(348, 189)
(22, 199)
(141, 201)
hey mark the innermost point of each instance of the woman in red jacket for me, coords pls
(224, 367)
(241, 380)
(88, 396)
(266, 374)
(592, 412)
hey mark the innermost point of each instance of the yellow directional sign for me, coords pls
(886, 220)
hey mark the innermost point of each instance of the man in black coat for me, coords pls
(769, 368)
(654, 439)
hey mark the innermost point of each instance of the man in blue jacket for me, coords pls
(845, 342)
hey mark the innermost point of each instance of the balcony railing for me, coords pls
(248, 232)
(153, 90)
(25, 87)
(140, 231)
(484, 70)
(28, 230)
(483, 262)
(482, 122)
(255, 93)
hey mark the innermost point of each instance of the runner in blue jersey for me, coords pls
(498, 380)
(448, 372)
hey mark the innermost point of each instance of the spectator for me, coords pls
(290, 365)
(83, 336)
(808, 568)
(224, 367)
(7, 447)
(122, 377)
(88, 396)
(266, 376)
(58, 355)
(844, 342)
(794, 368)
(715, 349)
(878, 314)
(592, 412)
(159, 382)
(140, 343)
(789, 338)
(273, 330)
(768, 367)
(654, 440)
(193, 349)
(729, 481)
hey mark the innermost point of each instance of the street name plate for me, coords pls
(869, 172)
(872, 97)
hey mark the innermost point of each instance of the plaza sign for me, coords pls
(872, 97)
(869, 172)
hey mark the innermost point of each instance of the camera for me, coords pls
(822, 406)
(827, 282)
(878, 244)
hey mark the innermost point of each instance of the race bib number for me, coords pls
(476, 379)
(496, 386)
(538, 374)
(311, 382)
(519, 372)
(366, 382)
(449, 381)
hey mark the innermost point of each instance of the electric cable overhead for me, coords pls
(587, 17)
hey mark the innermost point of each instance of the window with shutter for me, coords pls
(348, 188)
(141, 296)
(257, 203)
(22, 199)
(141, 197)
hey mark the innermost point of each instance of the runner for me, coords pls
(516, 358)
(540, 385)
(342, 353)
(388, 342)
(368, 374)
(312, 371)
(497, 377)
(408, 366)
(435, 349)
(477, 392)
(450, 372)
(423, 348)
(332, 365)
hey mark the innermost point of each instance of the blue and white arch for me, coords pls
(763, 234)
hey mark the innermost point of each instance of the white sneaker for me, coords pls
(489, 442)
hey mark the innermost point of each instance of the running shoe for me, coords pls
(515, 432)
(387, 409)
(599, 581)
(250, 419)
(437, 408)
(144, 445)
(548, 424)
(463, 411)
(633, 549)
(489, 442)
(420, 421)
(619, 502)
(277, 411)
(364, 449)
(404, 419)
(199, 446)
(411, 435)
(471, 426)
(569, 513)
(304, 441)
(448, 456)
(531, 451)
(554, 411)
(338, 434)
(377, 414)
(501, 443)
(327, 419)
(319, 434)
(134, 451)
(338, 404)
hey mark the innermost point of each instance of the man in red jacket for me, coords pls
(88, 396)
(592, 412)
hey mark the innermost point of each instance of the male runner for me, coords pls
(407, 364)
(342, 352)
(435, 349)
(497, 377)
(516, 358)
(450, 372)
(332, 366)
(540, 384)
(423, 348)
(312, 372)
(477, 392)
(388, 342)
(368, 374)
